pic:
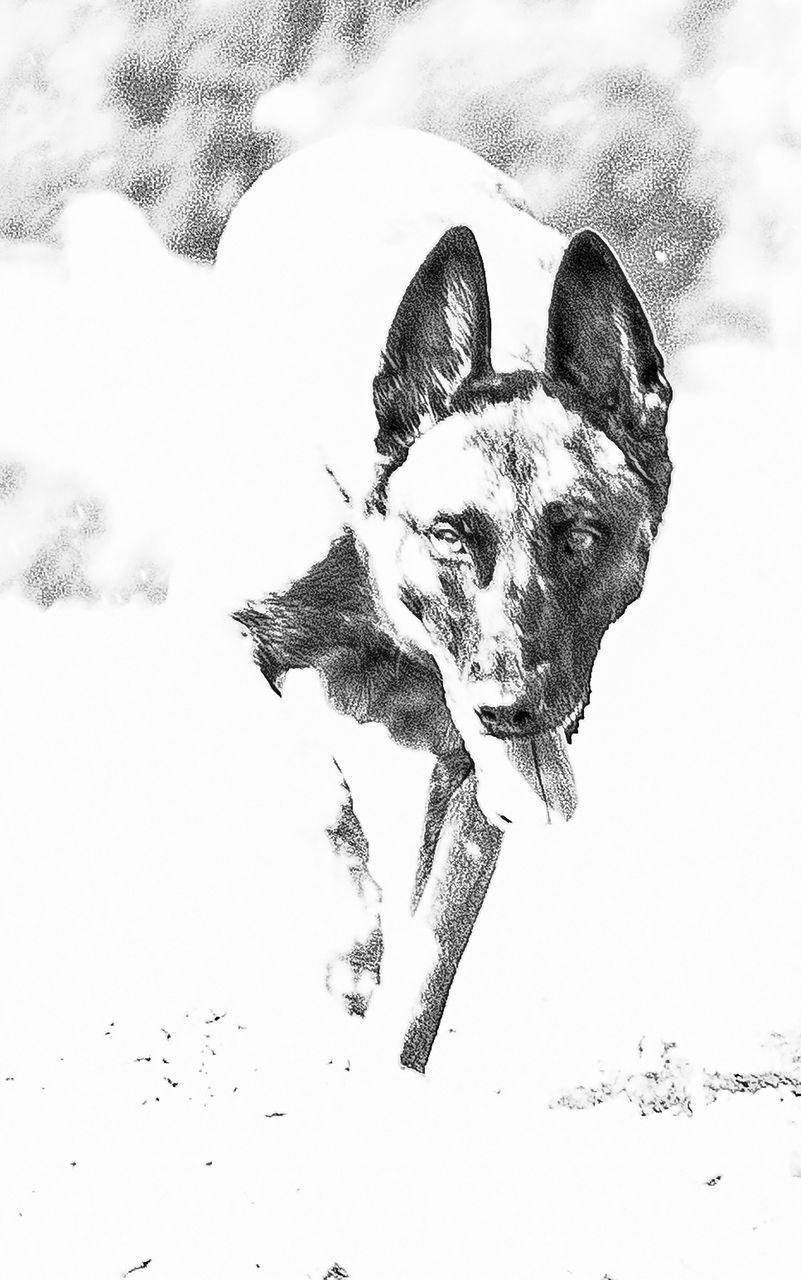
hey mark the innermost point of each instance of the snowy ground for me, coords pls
(617, 1090)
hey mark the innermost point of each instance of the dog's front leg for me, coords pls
(448, 775)
(463, 862)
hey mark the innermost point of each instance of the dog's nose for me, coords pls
(515, 720)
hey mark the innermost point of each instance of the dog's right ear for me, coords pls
(600, 348)
(440, 336)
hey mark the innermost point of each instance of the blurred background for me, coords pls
(673, 127)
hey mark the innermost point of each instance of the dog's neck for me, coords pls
(330, 620)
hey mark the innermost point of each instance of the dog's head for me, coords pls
(513, 513)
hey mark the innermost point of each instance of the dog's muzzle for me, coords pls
(510, 720)
(519, 750)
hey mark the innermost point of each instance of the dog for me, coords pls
(500, 496)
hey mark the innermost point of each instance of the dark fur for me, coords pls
(328, 621)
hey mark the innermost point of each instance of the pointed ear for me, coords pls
(440, 336)
(600, 348)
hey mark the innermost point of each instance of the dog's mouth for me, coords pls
(522, 777)
(544, 724)
(533, 766)
(543, 765)
(524, 780)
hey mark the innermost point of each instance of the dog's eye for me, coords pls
(446, 539)
(578, 539)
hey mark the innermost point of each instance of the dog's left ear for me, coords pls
(440, 336)
(601, 349)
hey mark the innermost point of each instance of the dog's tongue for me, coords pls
(525, 779)
(544, 764)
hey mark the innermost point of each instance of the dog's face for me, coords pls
(514, 513)
(520, 535)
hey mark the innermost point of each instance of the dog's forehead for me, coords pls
(491, 457)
